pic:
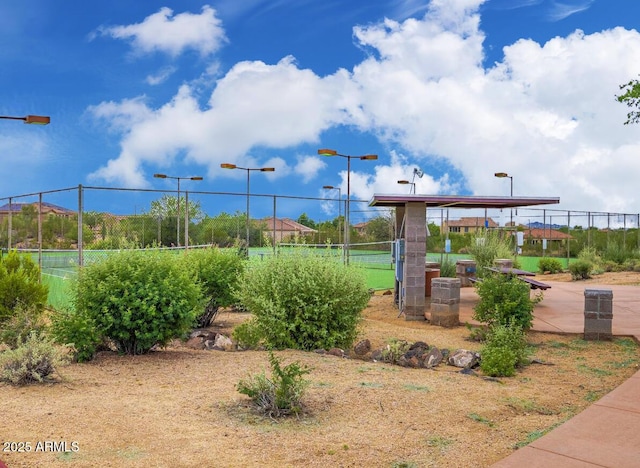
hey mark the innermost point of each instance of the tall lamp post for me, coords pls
(165, 176)
(331, 187)
(248, 169)
(502, 175)
(412, 189)
(347, 222)
(33, 120)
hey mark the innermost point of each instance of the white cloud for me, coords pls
(308, 167)
(562, 10)
(161, 76)
(172, 34)
(546, 114)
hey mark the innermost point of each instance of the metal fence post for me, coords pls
(80, 240)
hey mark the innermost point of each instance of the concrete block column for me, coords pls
(414, 266)
(465, 269)
(598, 314)
(445, 302)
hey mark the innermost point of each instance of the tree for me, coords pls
(306, 221)
(631, 98)
(380, 229)
(165, 207)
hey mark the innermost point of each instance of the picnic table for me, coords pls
(522, 275)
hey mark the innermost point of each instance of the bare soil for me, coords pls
(179, 407)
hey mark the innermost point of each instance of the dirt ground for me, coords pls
(179, 407)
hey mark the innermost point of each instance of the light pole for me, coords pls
(412, 189)
(248, 169)
(347, 222)
(502, 175)
(165, 176)
(30, 119)
(331, 187)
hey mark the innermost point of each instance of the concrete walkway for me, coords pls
(607, 433)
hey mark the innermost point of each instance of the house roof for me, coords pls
(286, 224)
(458, 201)
(549, 234)
(471, 222)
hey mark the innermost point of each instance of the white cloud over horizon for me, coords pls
(546, 113)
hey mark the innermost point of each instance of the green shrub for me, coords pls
(282, 394)
(505, 300)
(35, 359)
(304, 300)
(217, 271)
(504, 350)
(25, 319)
(247, 335)
(552, 265)
(488, 245)
(137, 299)
(77, 329)
(580, 269)
(394, 350)
(20, 285)
(447, 269)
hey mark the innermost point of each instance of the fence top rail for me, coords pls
(551, 211)
(68, 189)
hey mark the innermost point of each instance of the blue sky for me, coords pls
(459, 88)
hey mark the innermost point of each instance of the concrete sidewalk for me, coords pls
(608, 432)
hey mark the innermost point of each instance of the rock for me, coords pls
(362, 347)
(433, 358)
(336, 352)
(195, 343)
(464, 358)
(320, 351)
(203, 333)
(376, 355)
(418, 349)
(388, 292)
(223, 343)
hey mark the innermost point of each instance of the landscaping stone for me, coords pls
(362, 347)
(464, 358)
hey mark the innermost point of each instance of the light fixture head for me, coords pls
(404, 182)
(227, 166)
(501, 174)
(328, 187)
(195, 178)
(369, 157)
(37, 119)
(267, 169)
(327, 152)
(160, 176)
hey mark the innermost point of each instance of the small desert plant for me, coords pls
(282, 394)
(34, 360)
(247, 335)
(394, 350)
(20, 285)
(25, 319)
(304, 300)
(580, 269)
(447, 269)
(486, 246)
(504, 350)
(549, 264)
(505, 300)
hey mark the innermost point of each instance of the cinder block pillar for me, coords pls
(414, 266)
(465, 269)
(598, 314)
(445, 302)
(503, 263)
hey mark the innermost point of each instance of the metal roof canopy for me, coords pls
(459, 201)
